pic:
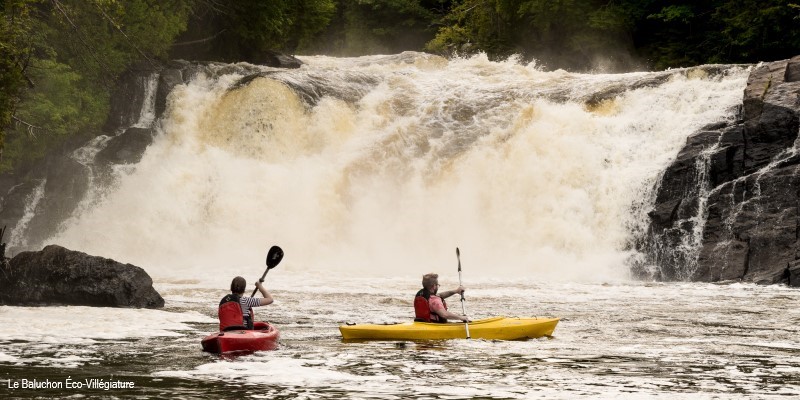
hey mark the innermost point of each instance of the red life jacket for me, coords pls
(422, 308)
(230, 312)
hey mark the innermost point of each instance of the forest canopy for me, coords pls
(59, 59)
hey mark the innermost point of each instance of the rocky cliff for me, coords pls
(727, 208)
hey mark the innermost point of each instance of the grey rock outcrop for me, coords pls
(278, 60)
(126, 148)
(727, 208)
(58, 276)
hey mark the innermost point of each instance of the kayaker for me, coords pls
(429, 304)
(236, 309)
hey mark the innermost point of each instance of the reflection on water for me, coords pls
(627, 340)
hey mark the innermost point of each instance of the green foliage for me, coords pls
(451, 39)
(15, 27)
(56, 104)
(473, 26)
(376, 26)
(681, 13)
(245, 29)
(565, 33)
(581, 34)
(753, 29)
(70, 52)
(101, 38)
(687, 33)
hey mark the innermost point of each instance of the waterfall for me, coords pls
(17, 237)
(147, 113)
(85, 155)
(382, 165)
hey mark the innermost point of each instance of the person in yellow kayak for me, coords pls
(429, 304)
(236, 309)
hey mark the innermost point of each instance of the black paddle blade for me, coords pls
(458, 255)
(274, 257)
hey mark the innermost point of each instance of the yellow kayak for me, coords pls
(496, 328)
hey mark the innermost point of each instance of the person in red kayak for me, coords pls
(236, 310)
(429, 304)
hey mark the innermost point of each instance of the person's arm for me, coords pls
(267, 299)
(449, 293)
(448, 315)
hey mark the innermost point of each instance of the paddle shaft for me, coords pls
(463, 308)
(260, 280)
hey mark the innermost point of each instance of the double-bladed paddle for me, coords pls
(274, 257)
(463, 309)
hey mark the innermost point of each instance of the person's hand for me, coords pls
(460, 290)
(259, 285)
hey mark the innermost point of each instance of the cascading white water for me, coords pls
(147, 113)
(400, 160)
(17, 238)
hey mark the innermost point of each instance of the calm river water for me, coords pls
(615, 340)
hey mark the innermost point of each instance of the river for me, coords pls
(368, 172)
(614, 340)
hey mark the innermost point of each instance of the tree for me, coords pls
(244, 30)
(685, 33)
(360, 27)
(579, 34)
(15, 23)
(753, 30)
(69, 53)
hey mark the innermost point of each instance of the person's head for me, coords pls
(431, 282)
(238, 285)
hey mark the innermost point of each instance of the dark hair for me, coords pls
(238, 285)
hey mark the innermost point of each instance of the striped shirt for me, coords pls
(247, 302)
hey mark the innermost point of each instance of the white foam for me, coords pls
(73, 324)
(422, 155)
(269, 369)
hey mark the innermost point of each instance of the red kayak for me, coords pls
(263, 337)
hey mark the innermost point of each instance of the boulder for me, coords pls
(278, 60)
(58, 276)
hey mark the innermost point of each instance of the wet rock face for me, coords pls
(742, 184)
(44, 197)
(126, 148)
(277, 60)
(58, 276)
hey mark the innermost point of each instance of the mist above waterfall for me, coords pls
(382, 165)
